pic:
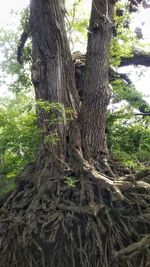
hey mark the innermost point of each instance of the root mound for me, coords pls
(59, 226)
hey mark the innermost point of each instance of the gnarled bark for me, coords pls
(54, 81)
(66, 213)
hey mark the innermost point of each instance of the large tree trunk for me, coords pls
(97, 91)
(63, 212)
(54, 81)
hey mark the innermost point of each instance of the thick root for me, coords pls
(51, 229)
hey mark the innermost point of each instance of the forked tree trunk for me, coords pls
(53, 79)
(63, 214)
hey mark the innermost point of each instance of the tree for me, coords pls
(68, 208)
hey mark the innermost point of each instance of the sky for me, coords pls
(7, 6)
(140, 75)
(141, 18)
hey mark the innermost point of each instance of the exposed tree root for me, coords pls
(134, 249)
(47, 229)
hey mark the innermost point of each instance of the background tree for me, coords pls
(65, 211)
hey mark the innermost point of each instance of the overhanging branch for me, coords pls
(139, 58)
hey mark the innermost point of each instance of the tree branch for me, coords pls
(139, 58)
(113, 75)
(23, 39)
(142, 114)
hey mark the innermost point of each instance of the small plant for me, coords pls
(58, 113)
(70, 181)
(51, 139)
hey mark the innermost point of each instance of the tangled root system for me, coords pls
(51, 228)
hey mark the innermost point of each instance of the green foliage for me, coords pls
(57, 112)
(48, 107)
(19, 137)
(77, 23)
(129, 138)
(51, 139)
(25, 19)
(122, 91)
(18, 77)
(122, 43)
(70, 181)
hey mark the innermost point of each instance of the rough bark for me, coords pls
(135, 101)
(53, 79)
(65, 213)
(97, 93)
